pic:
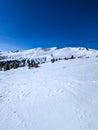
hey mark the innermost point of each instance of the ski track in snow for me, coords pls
(59, 96)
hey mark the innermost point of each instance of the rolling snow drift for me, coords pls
(59, 96)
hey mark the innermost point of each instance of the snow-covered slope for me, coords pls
(40, 53)
(59, 96)
(32, 53)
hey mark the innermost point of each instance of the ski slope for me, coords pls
(58, 96)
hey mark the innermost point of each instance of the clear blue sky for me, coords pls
(45, 23)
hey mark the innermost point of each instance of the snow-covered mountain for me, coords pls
(40, 52)
(34, 57)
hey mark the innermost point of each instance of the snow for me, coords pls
(57, 53)
(56, 96)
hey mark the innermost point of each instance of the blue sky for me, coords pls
(27, 24)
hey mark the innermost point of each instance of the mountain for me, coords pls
(41, 52)
(34, 57)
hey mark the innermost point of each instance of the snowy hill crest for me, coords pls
(36, 56)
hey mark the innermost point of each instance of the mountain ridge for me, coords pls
(34, 57)
(46, 52)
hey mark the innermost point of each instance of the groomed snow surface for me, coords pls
(56, 96)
